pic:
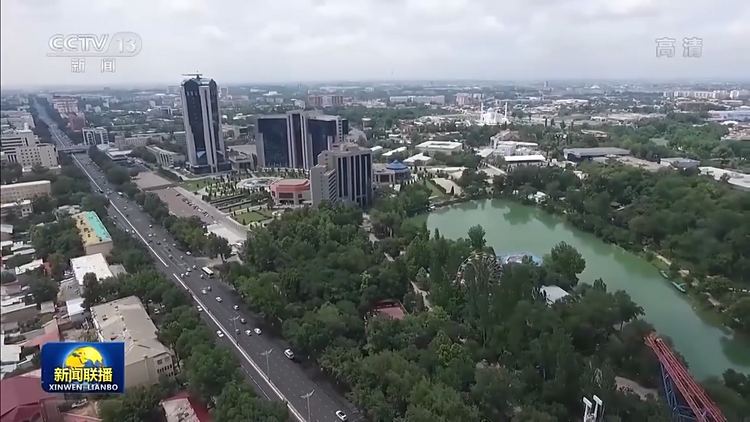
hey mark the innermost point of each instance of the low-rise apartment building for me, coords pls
(15, 192)
(146, 359)
(94, 236)
(166, 158)
(21, 209)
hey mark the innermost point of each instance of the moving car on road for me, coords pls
(341, 415)
(219, 333)
(218, 299)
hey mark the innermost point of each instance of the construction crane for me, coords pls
(195, 75)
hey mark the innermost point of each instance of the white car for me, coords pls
(219, 333)
(341, 415)
(195, 267)
(204, 291)
(200, 309)
(248, 332)
(218, 299)
(183, 275)
(257, 331)
(236, 307)
(289, 354)
(188, 253)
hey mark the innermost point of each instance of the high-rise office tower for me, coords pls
(206, 151)
(343, 174)
(272, 141)
(307, 135)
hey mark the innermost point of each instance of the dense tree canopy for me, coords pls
(488, 349)
(667, 212)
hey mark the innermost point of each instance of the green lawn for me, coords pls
(252, 216)
(433, 187)
(194, 185)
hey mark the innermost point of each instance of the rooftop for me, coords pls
(126, 320)
(21, 398)
(740, 180)
(26, 184)
(6, 228)
(524, 158)
(397, 166)
(292, 182)
(419, 157)
(554, 293)
(162, 150)
(390, 310)
(95, 264)
(31, 266)
(91, 229)
(395, 151)
(113, 152)
(182, 408)
(15, 204)
(595, 152)
(446, 145)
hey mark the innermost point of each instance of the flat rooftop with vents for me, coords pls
(126, 320)
(94, 236)
(95, 264)
(579, 154)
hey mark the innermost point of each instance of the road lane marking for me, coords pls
(241, 350)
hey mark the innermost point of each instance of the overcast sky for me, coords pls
(245, 41)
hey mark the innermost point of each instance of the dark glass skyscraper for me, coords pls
(206, 152)
(272, 141)
(307, 134)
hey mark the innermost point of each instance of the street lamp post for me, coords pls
(307, 396)
(268, 368)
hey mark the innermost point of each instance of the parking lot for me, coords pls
(181, 206)
(150, 181)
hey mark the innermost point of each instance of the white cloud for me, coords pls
(295, 40)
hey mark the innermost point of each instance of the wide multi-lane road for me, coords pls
(262, 356)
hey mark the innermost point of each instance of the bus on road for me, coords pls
(207, 271)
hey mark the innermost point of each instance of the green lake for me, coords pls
(512, 228)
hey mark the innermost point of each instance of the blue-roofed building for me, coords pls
(393, 173)
(94, 236)
(518, 257)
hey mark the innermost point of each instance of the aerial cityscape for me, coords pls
(378, 217)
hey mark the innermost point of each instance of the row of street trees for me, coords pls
(189, 232)
(210, 373)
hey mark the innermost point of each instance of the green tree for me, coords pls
(43, 289)
(566, 261)
(138, 404)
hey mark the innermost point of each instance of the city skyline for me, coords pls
(387, 40)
